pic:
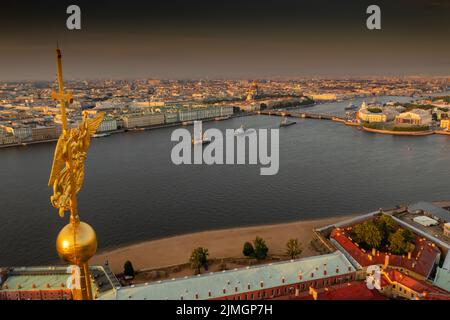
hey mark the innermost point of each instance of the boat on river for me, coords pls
(286, 123)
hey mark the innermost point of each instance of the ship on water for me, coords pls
(222, 118)
(200, 138)
(351, 106)
(286, 123)
(242, 131)
(101, 135)
(203, 140)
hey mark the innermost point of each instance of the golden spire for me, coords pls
(77, 241)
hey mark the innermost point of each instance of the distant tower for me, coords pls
(363, 108)
(76, 242)
(253, 92)
(364, 105)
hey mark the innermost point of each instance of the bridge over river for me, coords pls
(301, 114)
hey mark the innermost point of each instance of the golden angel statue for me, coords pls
(68, 165)
(76, 242)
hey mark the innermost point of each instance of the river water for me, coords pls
(133, 192)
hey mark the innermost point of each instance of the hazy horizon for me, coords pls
(233, 40)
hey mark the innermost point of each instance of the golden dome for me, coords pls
(85, 242)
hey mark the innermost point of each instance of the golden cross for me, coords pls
(61, 95)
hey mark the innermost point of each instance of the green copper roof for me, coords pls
(442, 279)
(237, 281)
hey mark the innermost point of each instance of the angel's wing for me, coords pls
(58, 161)
(93, 124)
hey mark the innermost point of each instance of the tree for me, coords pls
(397, 243)
(199, 259)
(357, 233)
(386, 225)
(128, 269)
(401, 242)
(368, 235)
(260, 248)
(408, 235)
(372, 235)
(387, 222)
(248, 250)
(293, 248)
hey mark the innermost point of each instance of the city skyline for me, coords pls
(165, 183)
(232, 40)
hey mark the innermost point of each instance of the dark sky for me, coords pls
(234, 39)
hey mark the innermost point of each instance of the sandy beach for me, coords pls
(220, 243)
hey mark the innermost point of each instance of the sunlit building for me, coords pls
(417, 117)
(376, 113)
(445, 124)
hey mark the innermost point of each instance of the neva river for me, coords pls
(133, 192)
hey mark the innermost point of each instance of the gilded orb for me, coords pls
(76, 243)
